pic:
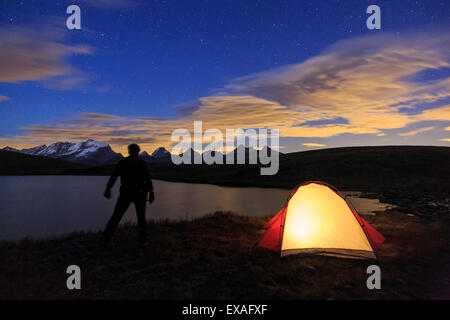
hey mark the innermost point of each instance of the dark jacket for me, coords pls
(134, 176)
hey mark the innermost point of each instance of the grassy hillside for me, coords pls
(418, 168)
(360, 168)
(213, 258)
(372, 166)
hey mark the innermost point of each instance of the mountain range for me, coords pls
(89, 152)
(160, 155)
(96, 153)
(391, 169)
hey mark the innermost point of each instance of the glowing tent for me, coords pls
(317, 219)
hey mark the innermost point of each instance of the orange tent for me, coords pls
(317, 219)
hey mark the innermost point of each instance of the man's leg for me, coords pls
(140, 202)
(122, 205)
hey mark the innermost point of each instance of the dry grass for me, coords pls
(213, 258)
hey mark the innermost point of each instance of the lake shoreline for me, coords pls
(44, 206)
(56, 205)
(414, 178)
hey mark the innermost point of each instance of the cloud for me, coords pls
(440, 113)
(97, 116)
(360, 86)
(311, 144)
(129, 140)
(365, 80)
(445, 139)
(414, 132)
(28, 54)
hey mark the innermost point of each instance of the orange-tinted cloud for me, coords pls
(414, 132)
(367, 82)
(27, 54)
(312, 144)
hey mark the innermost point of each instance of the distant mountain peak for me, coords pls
(89, 152)
(34, 150)
(160, 152)
(160, 155)
(10, 149)
(145, 156)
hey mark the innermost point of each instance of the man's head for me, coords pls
(133, 149)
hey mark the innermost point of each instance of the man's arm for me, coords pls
(148, 183)
(147, 179)
(112, 180)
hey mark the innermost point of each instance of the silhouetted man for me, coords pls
(135, 184)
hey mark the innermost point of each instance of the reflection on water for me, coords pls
(41, 206)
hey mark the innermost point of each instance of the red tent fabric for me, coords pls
(268, 224)
(272, 238)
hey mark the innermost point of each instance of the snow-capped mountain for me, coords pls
(34, 151)
(100, 153)
(10, 149)
(88, 152)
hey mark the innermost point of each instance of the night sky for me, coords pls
(139, 69)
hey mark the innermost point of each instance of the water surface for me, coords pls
(43, 206)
